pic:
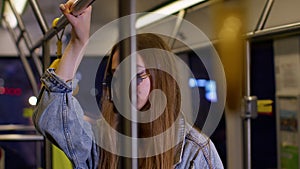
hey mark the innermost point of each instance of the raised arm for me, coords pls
(58, 115)
(79, 38)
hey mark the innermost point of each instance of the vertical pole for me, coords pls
(250, 111)
(46, 62)
(250, 101)
(247, 120)
(48, 154)
(247, 143)
(47, 143)
(128, 127)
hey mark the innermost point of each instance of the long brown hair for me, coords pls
(159, 80)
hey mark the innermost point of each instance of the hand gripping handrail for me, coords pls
(77, 8)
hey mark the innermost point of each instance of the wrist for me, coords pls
(78, 43)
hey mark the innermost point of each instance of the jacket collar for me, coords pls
(181, 128)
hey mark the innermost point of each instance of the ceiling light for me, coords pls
(165, 11)
(8, 13)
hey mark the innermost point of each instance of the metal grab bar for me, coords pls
(13, 127)
(21, 137)
(278, 31)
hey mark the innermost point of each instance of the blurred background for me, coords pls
(257, 42)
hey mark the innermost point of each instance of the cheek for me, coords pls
(143, 91)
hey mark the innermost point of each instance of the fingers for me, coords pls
(68, 7)
(66, 11)
(64, 8)
(80, 23)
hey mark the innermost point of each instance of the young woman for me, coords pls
(59, 117)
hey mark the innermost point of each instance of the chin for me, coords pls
(139, 107)
(143, 107)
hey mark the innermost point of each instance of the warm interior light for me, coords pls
(8, 14)
(165, 11)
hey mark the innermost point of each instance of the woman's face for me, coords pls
(143, 85)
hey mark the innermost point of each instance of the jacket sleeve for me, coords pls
(59, 117)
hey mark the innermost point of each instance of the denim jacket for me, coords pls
(60, 118)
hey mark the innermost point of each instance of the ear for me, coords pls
(100, 78)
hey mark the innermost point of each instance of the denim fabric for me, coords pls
(59, 117)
